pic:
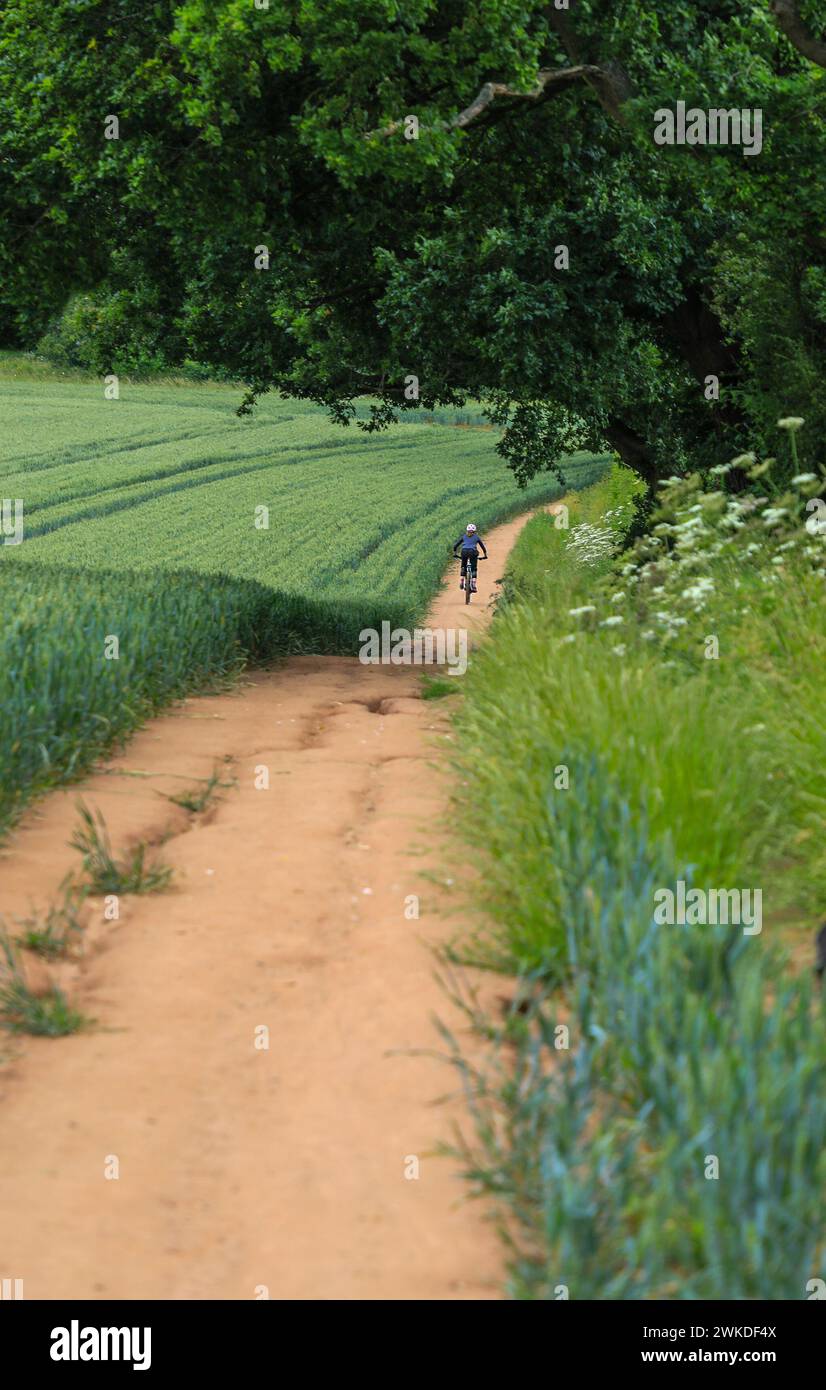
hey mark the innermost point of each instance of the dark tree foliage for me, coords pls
(436, 257)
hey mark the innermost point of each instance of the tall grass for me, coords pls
(614, 756)
(722, 747)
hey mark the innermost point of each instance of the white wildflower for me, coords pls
(698, 591)
(591, 544)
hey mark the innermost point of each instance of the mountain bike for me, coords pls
(469, 576)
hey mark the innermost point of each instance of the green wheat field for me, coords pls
(202, 540)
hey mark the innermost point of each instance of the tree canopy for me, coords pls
(270, 208)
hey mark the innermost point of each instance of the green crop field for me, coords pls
(170, 478)
(199, 540)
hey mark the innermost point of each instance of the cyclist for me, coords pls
(469, 542)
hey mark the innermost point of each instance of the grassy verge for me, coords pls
(634, 722)
(33, 366)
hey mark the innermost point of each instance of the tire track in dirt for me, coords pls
(241, 1167)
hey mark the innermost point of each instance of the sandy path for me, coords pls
(241, 1167)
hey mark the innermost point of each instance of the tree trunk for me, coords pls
(633, 451)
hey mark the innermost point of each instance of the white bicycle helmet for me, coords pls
(470, 528)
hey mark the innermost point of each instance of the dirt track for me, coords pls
(239, 1167)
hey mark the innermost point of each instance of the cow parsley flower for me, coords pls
(591, 544)
(760, 469)
(699, 589)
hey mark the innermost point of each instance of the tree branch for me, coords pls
(788, 18)
(549, 82)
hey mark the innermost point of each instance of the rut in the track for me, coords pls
(239, 1167)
